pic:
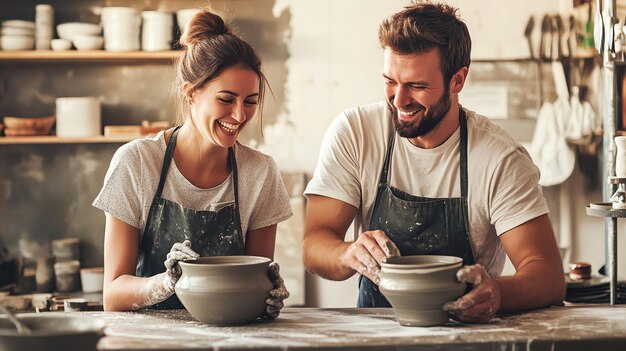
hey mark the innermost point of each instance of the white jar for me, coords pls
(121, 28)
(156, 31)
(620, 156)
(78, 116)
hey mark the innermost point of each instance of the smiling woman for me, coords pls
(194, 190)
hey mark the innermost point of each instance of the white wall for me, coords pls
(335, 63)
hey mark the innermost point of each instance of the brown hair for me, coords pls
(210, 48)
(423, 26)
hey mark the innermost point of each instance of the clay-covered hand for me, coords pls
(179, 252)
(274, 302)
(482, 302)
(367, 253)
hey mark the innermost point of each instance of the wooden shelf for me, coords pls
(586, 56)
(51, 139)
(89, 56)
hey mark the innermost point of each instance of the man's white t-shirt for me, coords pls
(503, 190)
(133, 177)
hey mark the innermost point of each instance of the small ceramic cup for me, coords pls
(620, 156)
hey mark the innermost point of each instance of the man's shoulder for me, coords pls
(485, 132)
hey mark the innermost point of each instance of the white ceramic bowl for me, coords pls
(19, 23)
(88, 42)
(71, 30)
(17, 31)
(17, 42)
(60, 44)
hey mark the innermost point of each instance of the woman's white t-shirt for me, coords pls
(132, 179)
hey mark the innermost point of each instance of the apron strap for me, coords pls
(233, 164)
(464, 180)
(167, 160)
(385, 171)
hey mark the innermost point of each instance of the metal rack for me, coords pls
(611, 215)
(604, 44)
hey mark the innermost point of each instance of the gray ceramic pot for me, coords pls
(224, 290)
(417, 287)
(51, 331)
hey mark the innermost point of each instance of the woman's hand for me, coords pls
(179, 252)
(277, 294)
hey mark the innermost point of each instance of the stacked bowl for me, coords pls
(17, 35)
(84, 36)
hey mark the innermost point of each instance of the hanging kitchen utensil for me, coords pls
(598, 28)
(554, 39)
(559, 31)
(544, 44)
(571, 37)
(528, 34)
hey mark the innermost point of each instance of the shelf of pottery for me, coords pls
(126, 35)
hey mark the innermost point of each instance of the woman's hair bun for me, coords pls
(203, 25)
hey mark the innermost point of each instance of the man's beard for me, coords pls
(427, 123)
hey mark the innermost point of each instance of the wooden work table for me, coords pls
(589, 327)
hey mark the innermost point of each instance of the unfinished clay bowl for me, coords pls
(418, 286)
(224, 290)
(52, 331)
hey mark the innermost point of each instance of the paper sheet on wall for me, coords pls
(490, 101)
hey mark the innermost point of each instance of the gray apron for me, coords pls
(216, 232)
(419, 225)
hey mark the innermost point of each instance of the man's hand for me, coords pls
(367, 253)
(482, 302)
(179, 252)
(277, 294)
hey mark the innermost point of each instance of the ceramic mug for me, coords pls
(620, 156)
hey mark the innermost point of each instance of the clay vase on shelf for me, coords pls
(224, 290)
(418, 286)
(620, 156)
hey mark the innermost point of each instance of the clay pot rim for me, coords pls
(221, 261)
(87, 325)
(422, 263)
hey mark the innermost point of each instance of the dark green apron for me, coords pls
(419, 225)
(216, 232)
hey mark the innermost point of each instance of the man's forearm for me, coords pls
(538, 283)
(322, 255)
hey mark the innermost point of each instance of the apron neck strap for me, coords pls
(463, 154)
(233, 164)
(463, 150)
(167, 160)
